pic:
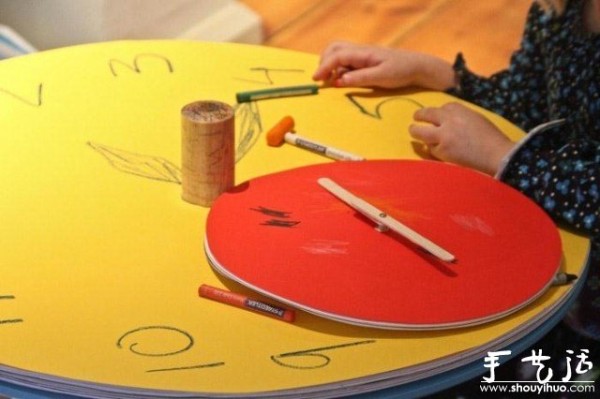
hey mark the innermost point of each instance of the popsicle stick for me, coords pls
(383, 220)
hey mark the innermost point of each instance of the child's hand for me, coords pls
(457, 134)
(352, 65)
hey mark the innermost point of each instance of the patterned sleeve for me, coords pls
(561, 175)
(512, 91)
(560, 172)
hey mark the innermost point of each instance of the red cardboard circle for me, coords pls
(285, 236)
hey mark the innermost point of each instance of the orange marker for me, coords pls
(242, 301)
(283, 132)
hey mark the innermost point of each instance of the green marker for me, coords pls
(289, 91)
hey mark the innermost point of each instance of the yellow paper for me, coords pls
(100, 259)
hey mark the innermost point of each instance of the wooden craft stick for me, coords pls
(384, 222)
(207, 151)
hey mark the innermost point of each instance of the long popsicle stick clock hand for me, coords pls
(384, 221)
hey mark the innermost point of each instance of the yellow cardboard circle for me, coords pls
(101, 260)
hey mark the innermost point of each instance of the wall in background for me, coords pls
(57, 23)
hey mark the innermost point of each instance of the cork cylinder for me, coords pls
(207, 151)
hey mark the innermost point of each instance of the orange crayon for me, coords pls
(244, 302)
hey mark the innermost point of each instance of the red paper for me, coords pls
(287, 237)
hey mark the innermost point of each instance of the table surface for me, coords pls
(101, 259)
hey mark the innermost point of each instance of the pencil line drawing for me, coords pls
(35, 103)
(150, 335)
(161, 169)
(279, 218)
(147, 166)
(9, 321)
(376, 111)
(266, 77)
(320, 360)
(135, 65)
(196, 367)
(326, 247)
(145, 341)
(473, 223)
(272, 212)
(249, 126)
(280, 223)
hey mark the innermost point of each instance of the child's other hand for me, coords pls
(352, 65)
(457, 134)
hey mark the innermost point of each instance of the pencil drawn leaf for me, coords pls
(147, 166)
(249, 126)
